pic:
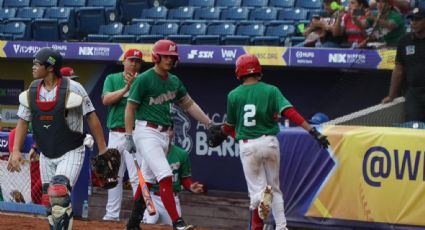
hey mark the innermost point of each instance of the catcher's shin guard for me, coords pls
(136, 215)
(61, 215)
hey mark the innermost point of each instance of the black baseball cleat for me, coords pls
(180, 225)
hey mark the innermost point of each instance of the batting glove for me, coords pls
(129, 145)
(322, 139)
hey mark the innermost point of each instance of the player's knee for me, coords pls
(59, 191)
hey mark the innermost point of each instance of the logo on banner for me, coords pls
(181, 129)
(93, 51)
(3, 143)
(347, 58)
(200, 54)
(228, 55)
(304, 57)
(21, 49)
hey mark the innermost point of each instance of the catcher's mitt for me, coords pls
(216, 135)
(106, 167)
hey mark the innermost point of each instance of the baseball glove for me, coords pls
(216, 135)
(106, 167)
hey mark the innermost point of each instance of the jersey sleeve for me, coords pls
(281, 103)
(87, 105)
(108, 86)
(136, 90)
(181, 90)
(24, 113)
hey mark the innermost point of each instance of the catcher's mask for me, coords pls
(247, 64)
(166, 48)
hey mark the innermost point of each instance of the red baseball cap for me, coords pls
(133, 53)
(68, 72)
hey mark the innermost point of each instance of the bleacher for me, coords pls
(216, 22)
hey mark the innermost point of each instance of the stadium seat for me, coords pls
(254, 3)
(66, 20)
(228, 3)
(6, 14)
(43, 29)
(282, 3)
(275, 34)
(309, 4)
(110, 8)
(187, 32)
(156, 13)
(159, 31)
(72, 3)
(44, 3)
(209, 13)
(295, 40)
(263, 14)
(130, 9)
(295, 14)
(181, 13)
(201, 3)
(215, 32)
(235, 13)
(16, 3)
(131, 32)
(15, 31)
(30, 13)
(89, 19)
(106, 32)
(244, 33)
(171, 4)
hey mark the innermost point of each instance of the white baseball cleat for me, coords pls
(265, 203)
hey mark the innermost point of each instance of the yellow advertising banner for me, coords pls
(2, 45)
(379, 176)
(268, 55)
(145, 48)
(387, 58)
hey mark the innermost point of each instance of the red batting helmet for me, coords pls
(164, 47)
(247, 64)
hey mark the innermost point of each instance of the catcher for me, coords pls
(56, 106)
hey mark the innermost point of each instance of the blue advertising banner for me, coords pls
(210, 54)
(10, 90)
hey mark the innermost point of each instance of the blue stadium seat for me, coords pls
(44, 3)
(295, 14)
(282, 3)
(170, 4)
(254, 3)
(16, 3)
(159, 12)
(181, 13)
(131, 32)
(295, 40)
(235, 13)
(89, 19)
(228, 3)
(72, 3)
(45, 30)
(130, 9)
(16, 31)
(187, 32)
(312, 13)
(309, 4)
(66, 20)
(159, 31)
(7, 13)
(106, 32)
(263, 14)
(111, 8)
(209, 13)
(201, 3)
(215, 32)
(30, 13)
(275, 34)
(244, 34)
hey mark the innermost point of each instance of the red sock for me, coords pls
(167, 197)
(256, 222)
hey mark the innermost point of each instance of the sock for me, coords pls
(256, 221)
(167, 197)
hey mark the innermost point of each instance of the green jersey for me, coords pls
(116, 112)
(179, 162)
(391, 37)
(252, 109)
(155, 96)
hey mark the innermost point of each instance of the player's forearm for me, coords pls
(21, 132)
(114, 97)
(396, 79)
(196, 112)
(130, 109)
(97, 131)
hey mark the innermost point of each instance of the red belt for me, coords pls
(120, 130)
(155, 126)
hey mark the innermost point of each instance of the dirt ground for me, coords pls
(10, 221)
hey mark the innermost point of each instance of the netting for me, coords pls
(390, 114)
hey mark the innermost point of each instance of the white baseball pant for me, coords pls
(161, 216)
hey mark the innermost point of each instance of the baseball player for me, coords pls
(67, 71)
(148, 112)
(252, 112)
(179, 162)
(55, 106)
(114, 95)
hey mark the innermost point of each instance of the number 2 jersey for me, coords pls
(253, 110)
